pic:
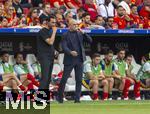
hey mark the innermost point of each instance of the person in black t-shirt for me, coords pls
(46, 50)
(46, 11)
(18, 8)
(26, 3)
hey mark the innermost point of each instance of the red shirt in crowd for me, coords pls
(76, 3)
(135, 19)
(144, 13)
(91, 8)
(32, 22)
(60, 2)
(121, 22)
(146, 24)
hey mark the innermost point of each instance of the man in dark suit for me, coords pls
(72, 45)
(45, 41)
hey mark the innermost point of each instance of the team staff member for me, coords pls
(74, 57)
(45, 46)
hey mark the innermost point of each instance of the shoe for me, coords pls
(60, 100)
(65, 99)
(119, 98)
(96, 99)
(18, 98)
(105, 99)
(110, 99)
(127, 98)
(77, 101)
(138, 98)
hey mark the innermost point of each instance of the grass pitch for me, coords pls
(101, 107)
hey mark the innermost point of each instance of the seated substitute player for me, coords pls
(108, 71)
(94, 78)
(23, 70)
(132, 77)
(144, 73)
(121, 69)
(8, 77)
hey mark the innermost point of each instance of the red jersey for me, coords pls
(91, 10)
(76, 3)
(121, 22)
(60, 2)
(144, 13)
(146, 24)
(135, 19)
(11, 18)
(32, 22)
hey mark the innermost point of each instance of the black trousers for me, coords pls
(78, 68)
(46, 70)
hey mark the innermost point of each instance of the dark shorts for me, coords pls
(86, 83)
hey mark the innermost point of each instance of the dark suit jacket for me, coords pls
(68, 46)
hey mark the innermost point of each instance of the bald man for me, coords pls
(72, 45)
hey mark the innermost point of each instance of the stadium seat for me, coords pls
(12, 60)
(30, 58)
(136, 66)
(61, 58)
(56, 69)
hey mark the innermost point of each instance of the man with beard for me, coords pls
(122, 20)
(86, 22)
(46, 50)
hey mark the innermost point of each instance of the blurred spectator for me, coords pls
(73, 4)
(80, 12)
(33, 19)
(106, 10)
(138, 2)
(1, 12)
(62, 10)
(26, 3)
(90, 7)
(4, 23)
(135, 18)
(68, 16)
(125, 5)
(122, 20)
(11, 17)
(86, 22)
(22, 22)
(144, 12)
(99, 22)
(115, 4)
(109, 23)
(18, 8)
(7, 4)
(60, 21)
(46, 11)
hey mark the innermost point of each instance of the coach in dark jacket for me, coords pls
(72, 45)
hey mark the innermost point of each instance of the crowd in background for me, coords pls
(90, 14)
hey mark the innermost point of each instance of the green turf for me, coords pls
(101, 107)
